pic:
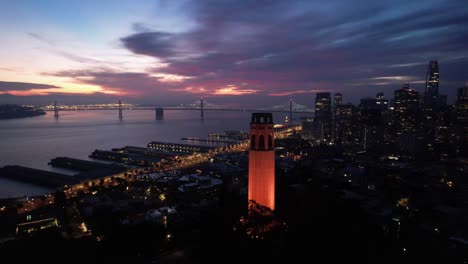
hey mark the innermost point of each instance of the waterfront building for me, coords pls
(177, 148)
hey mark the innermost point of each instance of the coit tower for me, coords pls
(262, 160)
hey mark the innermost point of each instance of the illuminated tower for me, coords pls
(262, 160)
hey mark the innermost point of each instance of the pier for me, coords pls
(211, 140)
(38, 177)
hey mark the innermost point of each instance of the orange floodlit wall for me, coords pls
(262, 160)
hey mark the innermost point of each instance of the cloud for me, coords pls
(22, 86)
(48, 99)
(78, 58)
(281, 48)
(41, 38)
(233, 90)
(129, 83)
(250, 51)
(156, 44)
(7, 69)
(297, 92)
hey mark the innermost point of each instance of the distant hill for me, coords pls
(8, 111)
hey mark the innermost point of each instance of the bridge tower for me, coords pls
(56, 109)
(120, 109)
(201, 108)
(159, 113)
(290, 110)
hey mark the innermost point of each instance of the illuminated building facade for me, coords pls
(405, 109)
(405, 116)
(262, 160)
(177, 148)
(344, 124)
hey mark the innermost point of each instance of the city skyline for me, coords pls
(228, 51)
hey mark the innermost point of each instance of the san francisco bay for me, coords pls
(33, 142)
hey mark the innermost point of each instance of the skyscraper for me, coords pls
(462, 99)
(343, 128)
(370, 121)
(381, 102)
(405, 114)
(337, 100)
(261, 187)
(432, 79)
(462, 119)
(405, 109)
(323, 116)
(432, 100)
(322, 106)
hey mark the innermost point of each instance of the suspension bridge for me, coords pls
(201, 105)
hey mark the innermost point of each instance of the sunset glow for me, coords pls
(166, 52)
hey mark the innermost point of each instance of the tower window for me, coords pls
(252, 141)
(261, 142)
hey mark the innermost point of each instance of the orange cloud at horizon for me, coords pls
(66, 89)
(228, 90)
(233, 90)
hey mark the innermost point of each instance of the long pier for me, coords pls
(211, 140)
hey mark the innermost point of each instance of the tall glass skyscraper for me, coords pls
(432, 79)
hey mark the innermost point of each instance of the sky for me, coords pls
(233, 52)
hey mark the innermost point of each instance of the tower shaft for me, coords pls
(261, 187)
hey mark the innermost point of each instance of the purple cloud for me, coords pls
(284, 48)
(22, 86)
